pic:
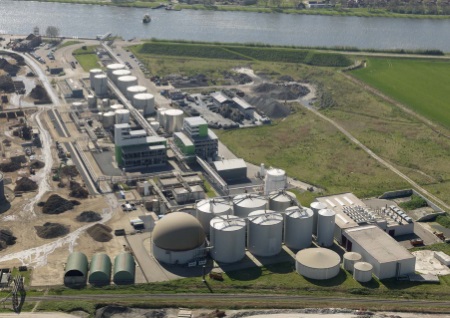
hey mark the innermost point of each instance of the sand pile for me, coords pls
(89, 216)
(51, 230)
(25, 185)
(56, 205)
(100, 232)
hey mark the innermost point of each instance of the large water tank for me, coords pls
(281, 200)
(265, 233)
(362, 272)
(92, 101)
(317, 263)
(114, 67)
(100, 85)
(325, 227)
(173, 120)
(243, 204)
(119, 73)
(316, 207)
(298, 225)
(115, 107)
(122, 116)
(108, 120)
(155, 125)
(146, 102)
(227, 238)
(207, 209)
(92, 73)
(275, 180)
(350, 258)
(160, 116)
(124, 82)
(133, 90)
(2, 188)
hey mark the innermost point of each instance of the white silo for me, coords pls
(207, 209)
(350, 258)
(92, 73)
(108, 119)
(227, 238)
(122, 116)
(124, 82)
(92, 101)
(173, 120)
(316, 207)
(275, 180)
(114, 67)
(160, 116)
(146, 102)
(265, 233)
(115, 107)
(155, 125)
(243, 204)
(100, 85)
(325, 227)
(105, 103)
(133, 90)
(362, 272)
(77, 106)
(119, 73)
(298, 225)
(281, 200)
(100, 117)
(317, 263)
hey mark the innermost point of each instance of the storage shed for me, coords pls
(231, 170)
(100, 270)
(75, 273)
(124, 269)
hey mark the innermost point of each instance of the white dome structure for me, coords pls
(317, 263)
(133, 90)
(114, 67)
(275, 180)
(178, 238)
(146, 102)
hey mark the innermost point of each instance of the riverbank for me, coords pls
(258, 8)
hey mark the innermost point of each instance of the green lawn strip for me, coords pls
(68, 43)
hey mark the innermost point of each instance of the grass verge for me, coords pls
(87, 57)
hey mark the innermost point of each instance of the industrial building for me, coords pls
(124, 269)
(100, 270)
(245, 108)
(219, 99)
(75, 272)
(71, 88)
(231, 170)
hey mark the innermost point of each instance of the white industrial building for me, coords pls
(388, 258)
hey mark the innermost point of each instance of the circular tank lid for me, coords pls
(327, 212)
(115, 66)
(122, 111)
(90, 96)
(77, 104)
(249, 200)
(117, 106)
(108, 114)
(100, 76)
(363, 266)
(299, 212)
(276, 172)
(95, 70)
(318, 205)
(142, 96)
(263, 217)
(318, 258)
(127, 78)
(282, 196)
(174, 112)
(352, 256)
(121, 72)
(178, 231)
(227, 223)
(212, 206)
(137, 88)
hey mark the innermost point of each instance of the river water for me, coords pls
(19, 17)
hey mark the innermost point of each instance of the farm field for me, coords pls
(419, 84)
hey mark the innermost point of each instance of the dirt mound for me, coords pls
(77, 191)
(265, 88)
(9, 166)
(25, 184)
(36, 164)
(270, 107)
(7, 237)
(6, 84)
(111, 311)
(100, 232)
(89, 216)
(39, 93)
(51, 230)
(286, 78)
(56, 205)
(70, 171)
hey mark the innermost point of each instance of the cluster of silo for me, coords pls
(349, 260)
(244, 204)
(92, 73)
(108, 119)
(122, 116)
(227, 238)
(100, 85)
(316, 207)
(281, 200)
(126, 81)
(325, 227)
(144, 101)
(119, 73)
(265, 233)
(114, 67)
(133, 90)
(173, 120)
(317, 263)
(275, 179)
(207, 209)
(298, 226)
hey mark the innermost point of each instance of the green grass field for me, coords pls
(87, 58)
(422, 85)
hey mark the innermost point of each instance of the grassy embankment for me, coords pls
(87, 58)
(68, 43)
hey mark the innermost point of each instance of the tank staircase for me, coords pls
(17, 294)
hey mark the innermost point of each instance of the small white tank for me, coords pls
(173, 120)
(316, 207)
(77, 106)
(155, 125)
(109, 119)
(325, 227)
(146, 188)
(116, 107)
(122, 116)
(160, 116)
(265, 230)
(92, 101)
(124, 82)
(275, 180)
(105, 103)
(133, 90)
(146, 102)
(114, 67)
(349, 260)
(281, 200)
(362, 272)
(92, 73)
(119, 73)
(227, 239)
(100, 85)
(298, 225)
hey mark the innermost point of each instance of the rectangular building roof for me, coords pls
(337, 202)
(195, 121)
(378, 243)
(219, 97)
(184, 139)
(229, 164)
(121, 126)
(242, 103)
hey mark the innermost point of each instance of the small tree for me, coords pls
(52, 32)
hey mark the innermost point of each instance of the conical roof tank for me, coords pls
(265, 230)
(298, 224)
(227, 238)
(281, 200)
(207, 209)
(243, 204)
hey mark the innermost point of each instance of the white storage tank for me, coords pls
(316, 207)
(122, 116)
(92, 101)
(265, 233)
(362, 272)
(100, 85)
(207, 209)
(173, 120)
(119, 73)
(298, 225)
(100, 117)
(109, 118)
(160, 116)
(114, 67)
(350, 258)
(124, 82)
(243, 204)
(77, 106)
(281, 200)
(115, 107)
(105, 103)
(92, 73)
(155, 125)
(146, 102)
(227, 238)
(133, 90)
(317, 263)
(275, 180)
(325, 227)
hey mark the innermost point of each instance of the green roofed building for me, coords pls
(124, 269)
(75, 273)
(100, 270)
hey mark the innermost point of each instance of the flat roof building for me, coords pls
(247, 109)
(231, 169)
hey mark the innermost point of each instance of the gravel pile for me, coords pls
(56, 205)
(51, 230)
(270, 106)
(89, 216)
(100, 232)
(36, 164)
(25, 185)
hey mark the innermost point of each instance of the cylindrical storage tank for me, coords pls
(101, 85)
(227, 239)
(207, 209)
(146, 188)
(114, 67)
(298, 225)
(325, 227)
(115, 107)
(100, 270)
(122, 116)
(173, 120)
(350, 258)
(105, 103)
(92, 101)
(317, 263)
(100, 117)
(108, 120)
(119, 73)
(275, 180)
(265, 233)
(2, 188)
(124, 82)
(155, 125)
(92, 73)
(362, 272)
(281, 200)
(316, 207)
(124, 269)
(244, 204)
(77, 106)
(160, 116)
(146, 102)
(133, 90)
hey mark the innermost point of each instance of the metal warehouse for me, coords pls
(124, 269)
(100, 270)
(231, 169)
(76, 270)
(388, 258)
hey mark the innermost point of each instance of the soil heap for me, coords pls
(56, 205)
(77, 191)
(25, 185)
(89, 216)
(51, 230)
(6, 238)
(100, 232)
